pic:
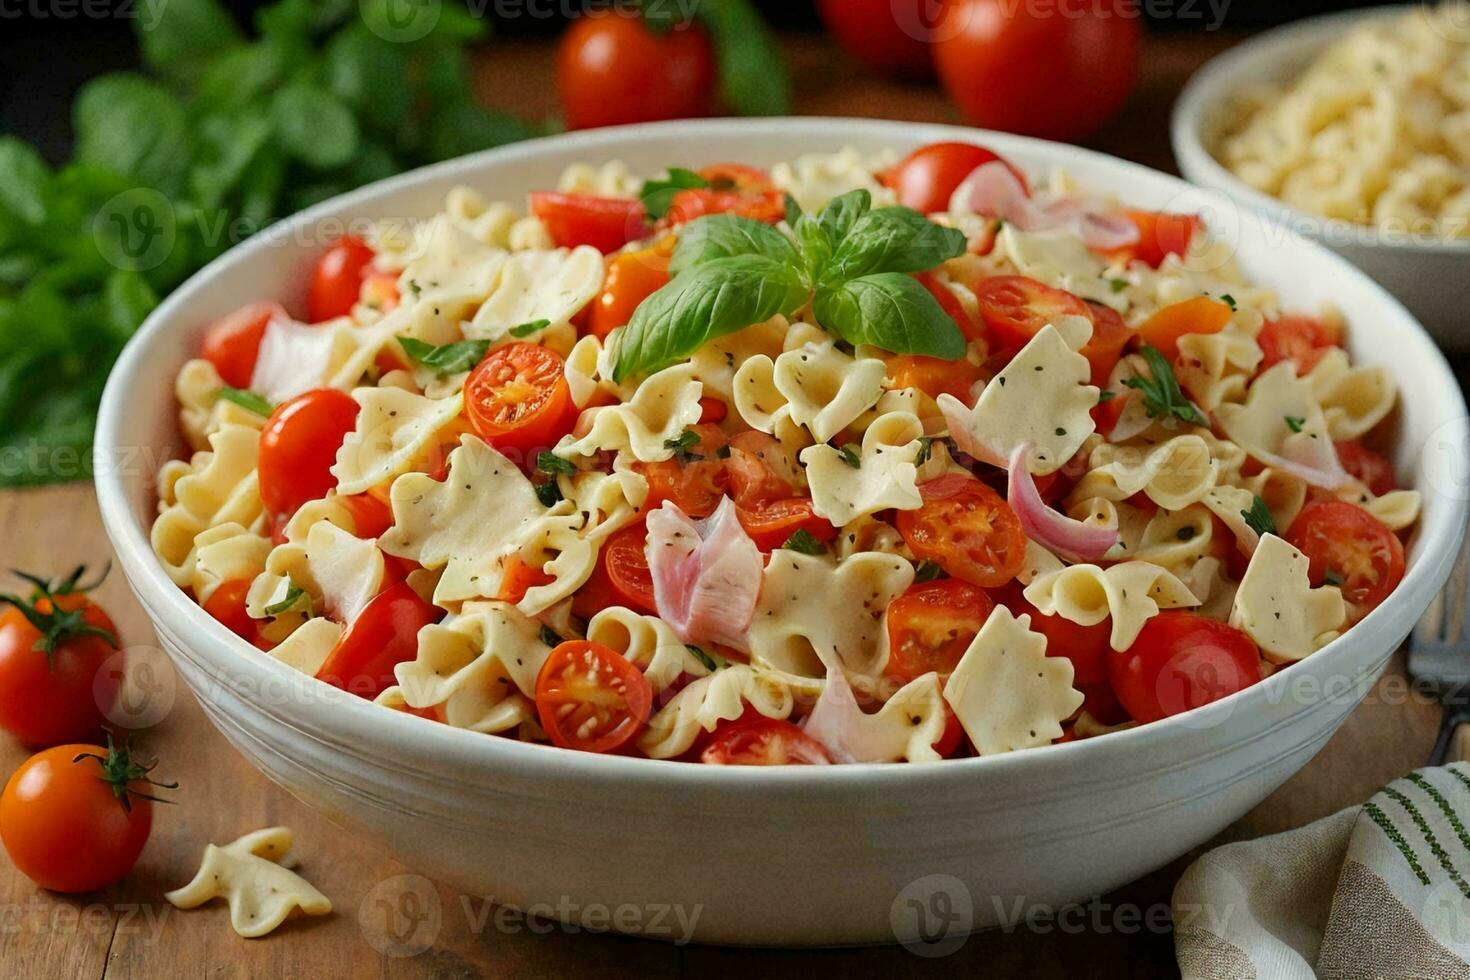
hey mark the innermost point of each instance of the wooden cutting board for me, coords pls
(128, 931)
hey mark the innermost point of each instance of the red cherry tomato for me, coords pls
(889, 35)
(1056, 71)
(227, 605)
(1015, 308)
(1109, 336)
(590, 698)
(925, 179)
(1168, 326)
(1085, 646)
(1181, 661)
(518, 401)
(64, 821)
(1160, 234)
(934, 375)
(371, 516)
(612, 69)
(771, 523)
(764, 742)
(1301, 339)
(950, 303)
(626, 560)
(232, 343)
(712, 410)
(1363, 464)
(384, 635)
(336, 280)
(733, 189)
(299, 445)
(1349, 547)
(931, 625)
(62, 696)
(605, 223)
(631, 278)
(967, 529)
(694, 485)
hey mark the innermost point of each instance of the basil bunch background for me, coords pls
(222, 135)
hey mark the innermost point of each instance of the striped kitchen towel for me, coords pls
(1377, 891)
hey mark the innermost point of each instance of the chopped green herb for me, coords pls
(723, 452)
(927, 571)
(709, 660)
(1295, 422)
(293, 597)
(414, 287)
(1332, 577)
(526, 329)
(247, 400)
(1185, 533)
(852, 455)
(793, 211)
(549, 493)
(803, 542)
(549, 462)
(1228, 300)
(658, 195)
(1117, 285)
(1162, 397)
(549, 636)
(1106, 395)
(926, 449)
(446, 359)
(1259, 518)
(684, 445)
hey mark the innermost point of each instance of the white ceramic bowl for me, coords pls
(770, 856)
(1414, 269)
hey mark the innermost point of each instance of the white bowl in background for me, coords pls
(1417, 270)
(782, 855)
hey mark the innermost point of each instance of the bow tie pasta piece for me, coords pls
(817, 178)
(648, 426)
(1281, 424)
(202, 412)
(1353, 399)
(717, 360)
(904, 729)
(216, 486)
(589, 370)
(1131, 592)
(815, 385)
(307, 647)
(1215, 368)
(1173, 474)
(1395, 510)
(226, 553)
(1038, 562)
(478, 670)
(565, 545)
(647, 643)
(550, 285)
(1058, 257)
(1042, 397)
(1165, 538)
(254, 877)
(1007, 693)
(1280, 610)
(452, 270)
(813, 611)
(338, 573)
(721, 696)
(885, 476)
(395, 430)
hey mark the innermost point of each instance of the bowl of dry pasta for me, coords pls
(789, 531)
(1352, 129)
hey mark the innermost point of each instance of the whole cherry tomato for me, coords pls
(1180, 661)
(336, 280)
(299, 445)
(227, 605)
(589, 697)
(1350, 548)
(613, 69)
(517, 400)
(384, 635)
(926, 178)
(631, 278)
(232, 342)
(890, 35)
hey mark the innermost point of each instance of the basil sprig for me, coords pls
(849, 263)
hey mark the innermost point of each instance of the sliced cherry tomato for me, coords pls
(631, 278)
(712, 410)
(613, 69)
(1085, 646)
(518, 578)
(1109, 336)
(753, 477)
(232, 343)
(931, 625)
(1302, 339)
(1372, 469)
(590, 698)
(733, 189)
(518, 401)
(336, 280)
(953, 737)
(384, 635)
(934, 375)
(299, 445)
(967, 529)
(597, 593)
(950, 303)
(888, 35)
(371, 516)
(1198, 315)
(74, 818)
(925, 179)
(694, 481)
(764, 742)
(1181, 661)
(1161, 234)
(227, 605)
(1350, 548)
(771, 523)
(626, 559)
(605, 223)
(1015, 308)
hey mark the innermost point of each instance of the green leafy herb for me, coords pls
(247, 400)
(549, 462)
(1295, 422)
(527, 329)
(1106, 395)
(122, 773)
(1332, 577)
(549, 636)
(1162, 397)
(926, 449)
(1228, 300)
(683, 446)
(852, 455)
(710, 661)
(446, 359)
(804, 542)
(658, 195)
(793, 211)
(1259, 518)
(549, 493)
(292, 599)
(1117, 285)
(927, 571)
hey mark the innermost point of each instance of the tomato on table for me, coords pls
(232, 343)
(336, 279)
(1057, 71)
(764, 742)
(931, 625)
(74, 818)
(693, 480)
(226, 604)
(1086, 647)
(605, 223)
(1350, 548)
(1200, 314)
(54, 646)
(625, 559)
(967, 529)
(1014, 308)
(934, 375)
(382, 636)
(926, 178)
(631, 278)
(1300, 339)
(1371, 468)
(888, 35)
(733, 189)
(613, 69)
(1160, 234)
(298, 447)
(518, 401)
(590, 698)
(1181, 661)
(1109, 336)
(771, 523)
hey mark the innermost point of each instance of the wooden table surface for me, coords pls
(129, 931)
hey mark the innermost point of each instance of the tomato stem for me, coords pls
(120, 770)
(55, 624)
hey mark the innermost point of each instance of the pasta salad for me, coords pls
(844, 461)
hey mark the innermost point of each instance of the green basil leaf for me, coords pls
(527, 329)
(805, 542)
(893, 240)
(889, 310)
(293, 597)
(549, 462)
(754, 79)
(549, 636)
(134, 127)
(23, 179)
(816, 245)
(793, 211)
(247, 400)
(447, 359)
(927, 571)
(1259, 518)
(838, 217)
(182, 35)
(314, 126)
(710, 300)
(721, 236)
(467, 127)
(658, 195)
(239, 77)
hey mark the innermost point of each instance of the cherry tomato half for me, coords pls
(1372, 469)
(631, 278)
(1349, 547)
(336, 279)
(1109, 336)
(733, 189)
(605, 223)
(926, 178)
(764, 742)
(62, 696)
(1181, 661)
(626, 560)
(771, 523)
(613, 69)
(299, 445)
(1200, 314)
(382, 636)
(232, 343)
(931, 625)
(1016, 307)
(518, 401)
(695, 485)
(590, 698)
(967, 529)
(1301, 339)
(934, 375)
(1160, 234)
(751, 473)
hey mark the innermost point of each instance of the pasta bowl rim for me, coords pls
(1210, 90)
(339, 720)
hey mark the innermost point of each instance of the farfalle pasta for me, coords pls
(783, 471)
